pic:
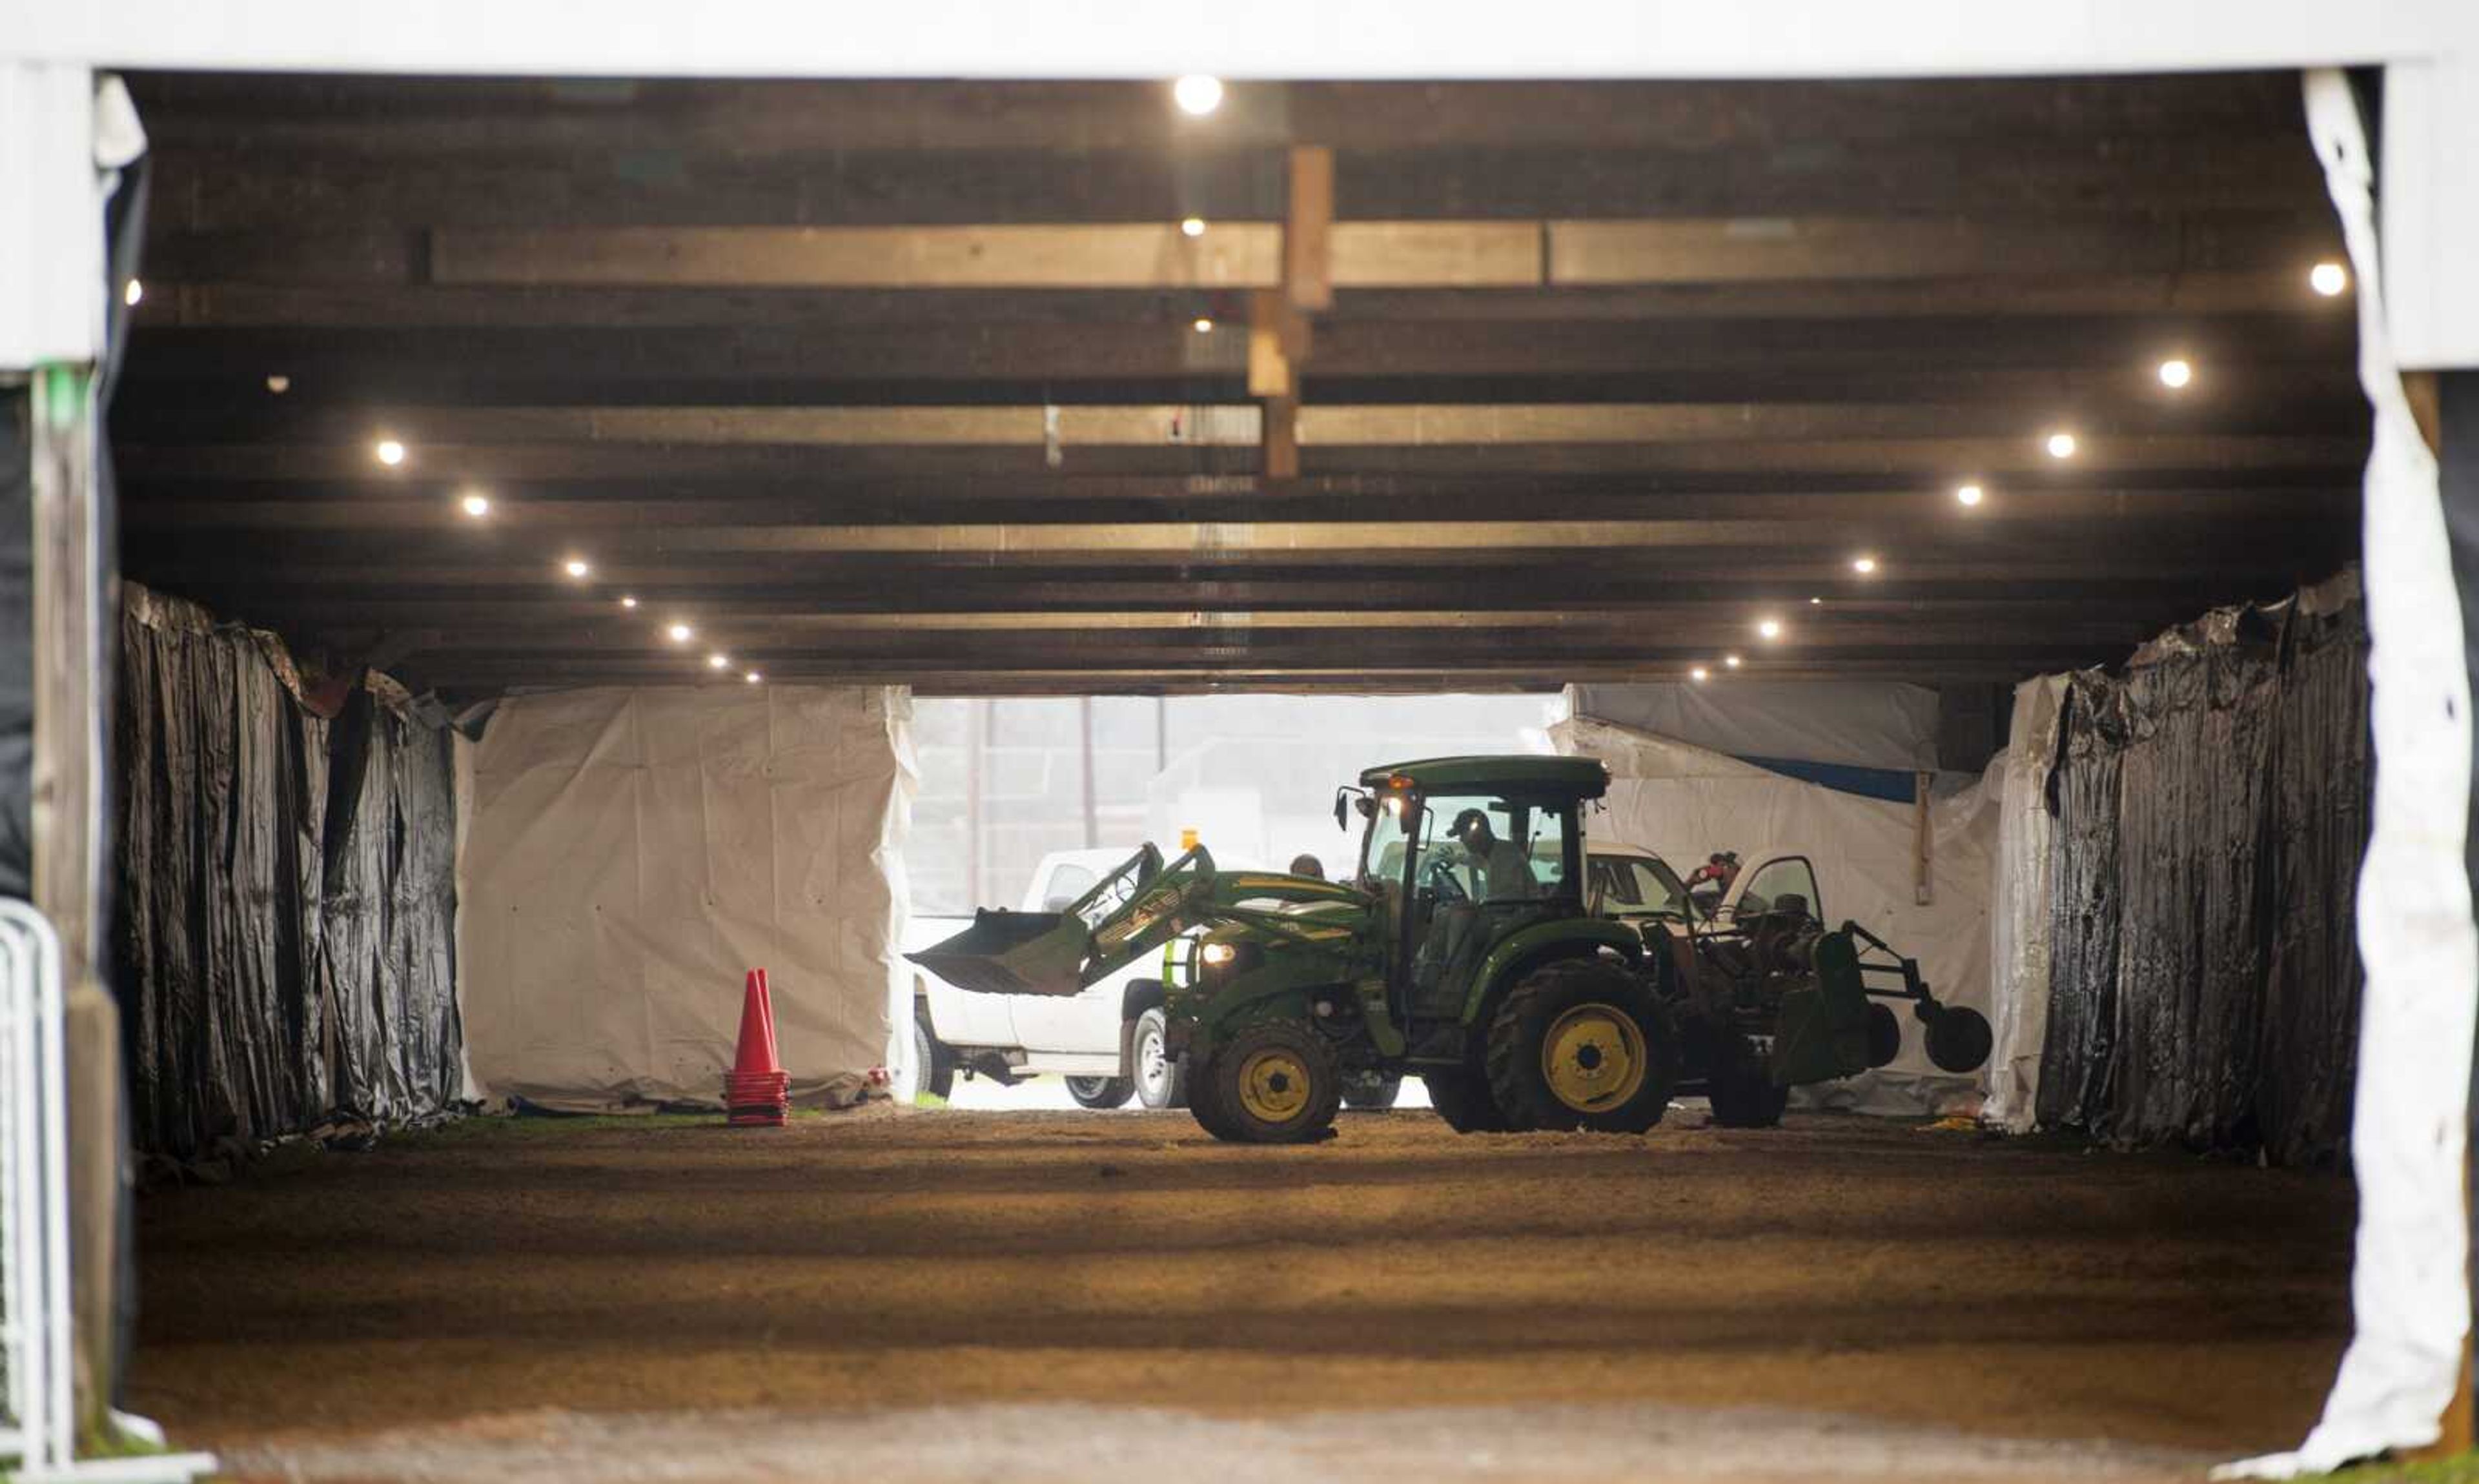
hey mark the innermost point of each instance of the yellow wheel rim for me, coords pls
(1593, 1058)
(1274, 1085)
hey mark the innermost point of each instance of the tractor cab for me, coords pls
(1462, 853)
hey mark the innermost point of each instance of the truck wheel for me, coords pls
(1463, 1099)
(1273, 1083)
(1099, 1092)
(1581, 1043)
(1743, 1096)
(935, 1062)
(1161, 1079)
(1372, 1092)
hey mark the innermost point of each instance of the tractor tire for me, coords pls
(1958, 1039)
(1275, 1082)
(1462, 1098)
(1884, 1033)
(1099, 1094)
(935, 1063)
(1372, 1092)
(1743, 1096)
(1581, 1044)
(1161, 1079)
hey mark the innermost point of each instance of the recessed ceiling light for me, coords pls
(576, 567)
(1863, 565)
(2062, 445)
(1204, 326)
(1732, 660)
(680, 633)
(718, 661)
(1194, 226)
(475, 504)
(1768, 627)
(2175, 372)
(279, 383)
(2328, 279)
(131, 294)
(1700, 673)
(1816, 603)
(1198, 93)
(753, 677)
(627, 602)
(390, 452)
(1969, 494)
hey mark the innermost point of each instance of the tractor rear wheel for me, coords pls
(1275, 1082)
(1463, 1099)
(1581, 1043)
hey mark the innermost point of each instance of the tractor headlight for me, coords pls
(1218, 961)
(1216, 954)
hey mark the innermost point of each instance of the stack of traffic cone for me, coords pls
(757, 1093)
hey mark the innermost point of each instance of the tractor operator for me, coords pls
(1497, 866)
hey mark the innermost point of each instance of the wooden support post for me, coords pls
(1282, 437)
(1308, 232)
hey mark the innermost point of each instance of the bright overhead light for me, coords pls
(1204, 326)
(1194, 226)
(2175, 372)
(1700, 673)
(1969, 494)
(1732, 660)
(753, 677)
(1198, 93)
(680, 633)
(718, 660)
(1770, 629)
(2062, 445)
(133, 292)
(627, 602)
(1816, 603)
(575, 566)
(475, 504)
(390, 452)
(279, 383)
(2328, 279)
(1863, 565)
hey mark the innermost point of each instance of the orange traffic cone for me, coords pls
(757, 1093)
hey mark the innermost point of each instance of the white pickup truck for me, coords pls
(1106, 1041)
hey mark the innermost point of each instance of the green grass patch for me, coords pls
(2460, 1468)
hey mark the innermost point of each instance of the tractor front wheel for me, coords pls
(1275, 1082)
(1581, 1043)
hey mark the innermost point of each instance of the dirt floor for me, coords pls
(943, 1295)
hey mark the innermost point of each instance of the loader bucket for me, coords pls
(1823, 1031)
(1013, 953)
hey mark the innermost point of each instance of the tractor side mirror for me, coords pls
(1341, 804)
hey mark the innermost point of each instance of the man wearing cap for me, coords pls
(1497, 865)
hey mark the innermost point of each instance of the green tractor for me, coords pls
(1461, 952)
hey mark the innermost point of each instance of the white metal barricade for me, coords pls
(38, 1430)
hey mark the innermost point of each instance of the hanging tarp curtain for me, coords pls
(287, 892)
(2211, 808)
(630, 854)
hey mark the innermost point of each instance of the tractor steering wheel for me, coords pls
(1444, 883)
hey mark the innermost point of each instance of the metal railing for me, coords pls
(39, 1402)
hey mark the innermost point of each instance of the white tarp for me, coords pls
(2018, 922)
(2409, 1285)
(1683, 803)
(1861, 724)
(630, 854)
